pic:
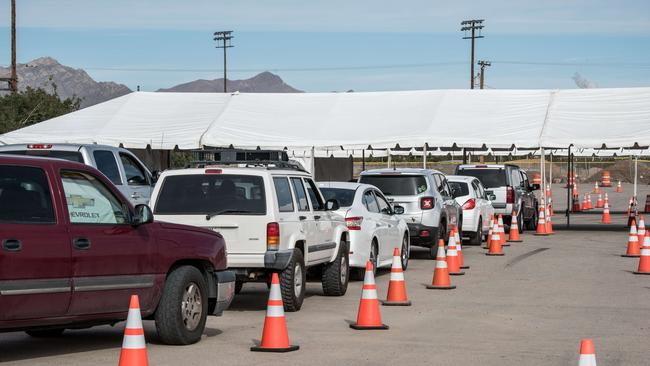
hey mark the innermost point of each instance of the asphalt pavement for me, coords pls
(530, 307)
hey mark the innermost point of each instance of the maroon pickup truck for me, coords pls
(73, 250)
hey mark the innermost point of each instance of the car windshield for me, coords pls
(345, 197)
(459, 188)
(211, 194)
(491, 178)
(58, 154)
(397, 185)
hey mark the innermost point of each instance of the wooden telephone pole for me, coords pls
(483, 64)
(12, 81)
(472, 26)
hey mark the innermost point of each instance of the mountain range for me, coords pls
(45, 72)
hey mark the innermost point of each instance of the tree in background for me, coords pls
(31, 106)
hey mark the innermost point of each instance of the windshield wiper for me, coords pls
(211, 215)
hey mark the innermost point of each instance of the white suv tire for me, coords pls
(293, 282)
(336, 274)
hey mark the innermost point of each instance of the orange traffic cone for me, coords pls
(396, 287)
(633, 243)
(584, 205)
(596, 188)
(513, 235)
(369, 316)
(619, 189)
(275, 337)
(589, 204)
(644, 259)
(640, 229)
(459, 248)
(495, 248)
(599, 202)
(548, 191)
(441, 279)
(629, 208)
(541, 221)
(606, 219)
(587, 353)
(134, 350)
(502, 232)
(489, 235)
(549, 224)
(453, 262)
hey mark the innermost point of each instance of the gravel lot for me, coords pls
(530, 307)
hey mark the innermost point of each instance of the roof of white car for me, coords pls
(400, 170)
(487, 166)
(460, 178)
(345, 185)
(259, 171)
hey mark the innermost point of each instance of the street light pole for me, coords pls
(224, 40)
(472, 26)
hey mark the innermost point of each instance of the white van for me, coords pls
(274, 219)
(119, 165)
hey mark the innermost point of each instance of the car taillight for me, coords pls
(510, 194)
(272, 236)
(426, 203)
(353, 223)
(213, 171)
(470, 204)
(39, 146)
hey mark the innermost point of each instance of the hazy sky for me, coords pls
(340, 45)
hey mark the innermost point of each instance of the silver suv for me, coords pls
(430, 210)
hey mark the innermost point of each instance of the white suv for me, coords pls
(273, 220)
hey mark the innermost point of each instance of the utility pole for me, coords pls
(483, 64)
(12, 81)
(223, 39)
(472, 26)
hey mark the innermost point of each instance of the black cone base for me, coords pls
(277, 350)
(432, 287)
(369, 327)
(396, 303)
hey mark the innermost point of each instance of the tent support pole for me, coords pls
(313, 162)
(636, 169)
(424, 156)
(568, 188)
(464, 156)
(389, 160)
(363, 159)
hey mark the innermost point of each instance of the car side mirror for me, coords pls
(143, 215)
(332, 205)
(534, 187)
(154, 176)
(398, 210)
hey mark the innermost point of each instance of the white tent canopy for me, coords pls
(586, 118)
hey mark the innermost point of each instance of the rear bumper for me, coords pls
(417, 232)
(225, 282)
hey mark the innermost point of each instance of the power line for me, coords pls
(225, 37)
(472, 26)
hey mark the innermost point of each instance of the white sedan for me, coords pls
(477, 208)
(375, 229)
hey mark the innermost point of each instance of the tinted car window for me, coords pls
(384, 206)
(490, 178)
(106, 164)
(397, 185)
(90, 202)
(370, 202)
(314, 196)
(301, 196)
(57, 154)
(24, 196)
(459, 188)
(135, 174)
(515, 177)
(283, 192)
(228, 194)
(345, 197)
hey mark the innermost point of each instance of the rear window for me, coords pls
(397, 185)
(345, 197)
(491, 178)
(459, 188)
(24, 196)
(58, 154)
(211, 194)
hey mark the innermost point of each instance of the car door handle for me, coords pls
(12, 245)
(135, 195)
(316, 217)
(81, 243)
(302, 218)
